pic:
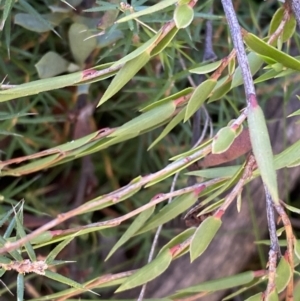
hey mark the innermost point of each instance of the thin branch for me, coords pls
(237, 39)
(271, 222)
(156, 237)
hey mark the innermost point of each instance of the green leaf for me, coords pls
(289, 26)
(262, 149)
(178, 240)
(292, 208)
(255, 63)
(146, 120)
(148, 272)
(62, 279)
(284, 274)
(199, 96)
(132, 229)
(297, 247)
(21, 233)
(8, 4)
(150, 10)
(41, 85)
(169, 127)
(257, 297)
(163, 43)
(81, 42)
(206, 68)
(203, 236)
(183, 15)
(51, 64)
(215, 172)
(170, 211)
(262, 48)
(223, 140)
(51, 256)
(125, 74)
(42, 238)
(35, 15)
(175, 96)
(20, 287)
(220, 91)
(218, 284)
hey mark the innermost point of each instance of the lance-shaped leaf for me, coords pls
(146, 120)
(198, 97)
(125, 74)
(169, 127)
(51, 256)
(132, 229)
(150, 10)
(203, 236)
(175, 96)
(8, 4)
(218, 284)
(262, 149)
(284, 274)
(21, 233)
(257, 297)
(183, 15)
(255, 62)
(178, 240)
(215, 172)
(206, 68)
(164, 42)
(289, 26)
(148, 272)
(20, 287)
(261, 47)
(272, 296)
(170, 211)
(223, 140)
(62, 279)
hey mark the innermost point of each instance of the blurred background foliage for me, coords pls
(39, 39)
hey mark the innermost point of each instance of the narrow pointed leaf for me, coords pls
(220, 284)
(148, 272)
(14, 254)
(178, 239)
(284, 274)
(255, 63)
(261, 47)
(169, 127)
(62, 279)
(22, 234)
(198, 97)
(5, 217)
(257, 297)
(20, 287)
(8, 4)
(125, 74)
(132, 229)
(183, 15)
(151, 9)
(216, 172)
(206, 68)
(297, 248)
(52, 255)
(262, 149)
(170, 211)
(203, 236)
(146, 120)
(163, 43)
